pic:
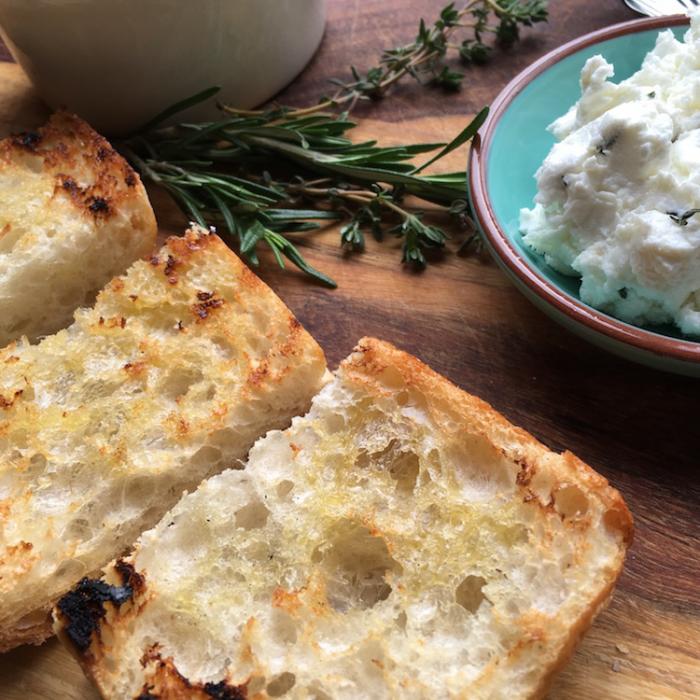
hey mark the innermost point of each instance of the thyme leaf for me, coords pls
(604, 148)
(682, 219)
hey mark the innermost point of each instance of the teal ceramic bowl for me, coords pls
(505, 155)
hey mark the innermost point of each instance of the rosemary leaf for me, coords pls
(465, 135)
(180, 107)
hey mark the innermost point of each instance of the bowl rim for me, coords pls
(505, 250)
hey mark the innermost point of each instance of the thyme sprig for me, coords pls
(263, 174)
(424, 59)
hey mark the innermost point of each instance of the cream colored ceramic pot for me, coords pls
(119, 62)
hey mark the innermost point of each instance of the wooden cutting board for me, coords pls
(465, 319)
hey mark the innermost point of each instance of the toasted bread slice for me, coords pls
(171, 377)
(73, 214)
(402, 540)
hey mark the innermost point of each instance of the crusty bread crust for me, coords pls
(66, 144)
(73, 214)
(180, 366)
(372, 358)
(35, 633)
(128, 649)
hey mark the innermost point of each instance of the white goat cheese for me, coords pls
(613, 191)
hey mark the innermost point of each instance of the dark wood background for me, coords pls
(637, 426)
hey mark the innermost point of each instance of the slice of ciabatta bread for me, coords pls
(73, 214)
(171, 377)
(402, 540)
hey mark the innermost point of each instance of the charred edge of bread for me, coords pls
(83, 614)
(163, 680)
(82, 609)
(67, 144)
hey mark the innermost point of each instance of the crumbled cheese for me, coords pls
(628, 156)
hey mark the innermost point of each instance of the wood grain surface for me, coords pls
(638, 427)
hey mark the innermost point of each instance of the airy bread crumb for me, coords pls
(170, 378)
(401, 540)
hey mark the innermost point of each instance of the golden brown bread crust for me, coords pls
(373, 358)
(34, 634)
(67, 144)
(163, 680)
(578, 630)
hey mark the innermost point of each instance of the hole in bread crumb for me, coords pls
(402, 465)
(32, 619)
(255, 685)
(179, 381)
(37, 465)
(481, 471)
(284, 488)
(284, 627)
(392, 378)
(204, 459)
(402, 398)
(357, 563)
(281, 684)
(570, 501)
(252, 516)
(316, 693)
(401, 621)
(223, 347)
(79, 529)
(317, 555)
(362, 460)
(430, 515)
(107, 638)
(469, 594)
(257, 551)
(616, 521)
(19, 438)
(335, 422)
(404, 470)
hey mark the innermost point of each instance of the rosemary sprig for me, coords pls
(259, 175)
(363, 182)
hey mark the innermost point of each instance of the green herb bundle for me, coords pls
(261, 176)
